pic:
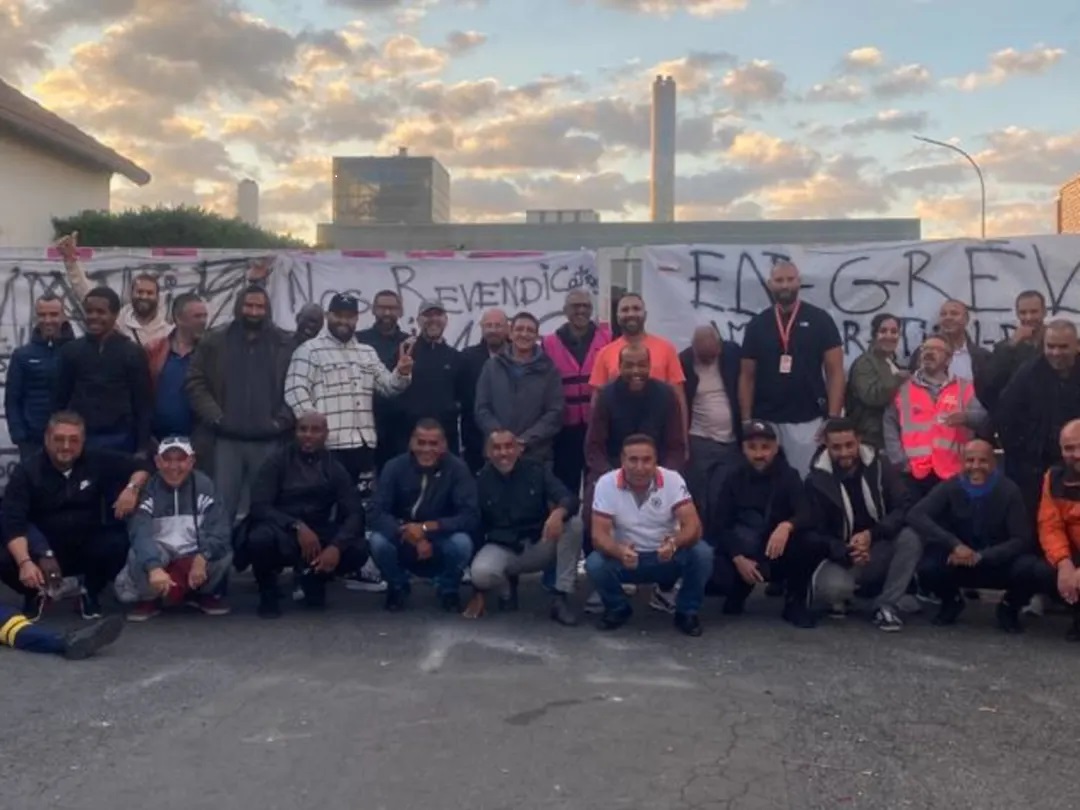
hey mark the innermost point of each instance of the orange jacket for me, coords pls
(1059, 516)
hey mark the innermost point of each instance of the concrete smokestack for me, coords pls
(247, 202)
(662, 192)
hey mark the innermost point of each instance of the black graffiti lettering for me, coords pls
(300, 286)
(746, 262)
(447, 295)
(403, 278)
(1055, 304)
(533, 290)
(735, 330)
(699, 278)
(974, 276)
(915, 271)
(837, 300)
(852, 342)
(912, 334)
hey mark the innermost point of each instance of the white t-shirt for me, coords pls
(643, 526)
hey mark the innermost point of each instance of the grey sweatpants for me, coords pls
(133, 581)
(799, 442)
(892, 565)
(236, 464)
(494, 564)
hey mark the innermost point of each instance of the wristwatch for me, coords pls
(48, 553)
(424, 528)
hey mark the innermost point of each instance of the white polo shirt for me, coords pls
(644, 525)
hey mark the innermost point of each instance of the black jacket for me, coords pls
(38, 494)
(749, 497)
(1005, 360)
(888, 500)
(407, 493)
(31, 382)
(107, 382)
(1030, 426)
(730, 362)
(437, 386)
(514, 507)
(473, 359)
(997, 526)
(327, 501)
(386, 409)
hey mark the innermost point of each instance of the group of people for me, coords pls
(158, 456)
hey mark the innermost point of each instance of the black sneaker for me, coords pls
(87, 640)
(1074, 630)
(688, 623)
(90, 606)
(269, 604)
(395, 600)
(314, 588)
(774, 589)
(614, 619)
(451, 602)
(888, 620)
(1008, 618)
(949, 611)
(509, 604)
(561, 611)
(734, 606)
(799, 615)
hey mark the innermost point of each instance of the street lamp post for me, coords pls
(974, 165)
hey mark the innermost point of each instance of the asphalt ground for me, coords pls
(357, 708)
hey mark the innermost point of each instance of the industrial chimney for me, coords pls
(247, 202)
(662, 192)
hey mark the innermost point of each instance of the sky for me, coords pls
(787, 108)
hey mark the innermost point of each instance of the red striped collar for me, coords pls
(620, 479)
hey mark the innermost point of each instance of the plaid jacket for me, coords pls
(338, 380)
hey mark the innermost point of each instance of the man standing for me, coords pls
(858, 505)
(645, 529)
(977, 532)
(520, 391)
(337, 376)
(495, 331)
(386, 337)
(711, 366)
(792, 370)
(422, 516)
(105, 378)
(1042, 398)
(181, 541)
(437, 389)
(236, 387)
(170, 359)
(31, 376)
(54, 517)
(966, 360)
(574, 347)
(524, 510)
(309, 322)
(934, 415)
(1024, 344)
(305, 513)
(142, 320)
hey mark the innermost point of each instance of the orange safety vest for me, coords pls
(930, 445)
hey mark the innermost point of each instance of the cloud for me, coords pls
(866, 59)
(905, 80)
(952, 215)
(666, 8)
(1026, 156)
(840, 188)
(1008, 63)
(887, 121)
(462, 42)
(754, 82)
(843, 89)
(692, 73)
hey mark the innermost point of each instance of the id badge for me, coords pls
(785, 364)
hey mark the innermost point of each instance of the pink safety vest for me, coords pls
(575, 378)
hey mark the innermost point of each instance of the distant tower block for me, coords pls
(662, 191)
(247, 202)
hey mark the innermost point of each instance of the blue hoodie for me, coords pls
(30, 379)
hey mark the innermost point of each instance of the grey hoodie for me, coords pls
(524, 398)
(188, 520)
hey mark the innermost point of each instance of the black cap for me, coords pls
(344, 303)
(758, 429)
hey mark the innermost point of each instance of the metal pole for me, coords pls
(974, 165)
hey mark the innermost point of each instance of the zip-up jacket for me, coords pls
(749, 497)
(524, 398)
(188, 519)
(409, 493)
(884, 493)
(1059, 515)
(31, 379)
(514, 507)
(730, 361)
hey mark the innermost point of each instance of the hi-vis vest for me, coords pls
(575, 378)
(930, 445)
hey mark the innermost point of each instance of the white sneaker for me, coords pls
(663, 601)
(367, 579)
(594, 604)
(1036, 607)
(629, 588)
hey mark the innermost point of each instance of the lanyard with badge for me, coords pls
(785, 336)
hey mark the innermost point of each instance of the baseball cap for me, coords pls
(175, 443)
(342, 302)
(758, 429)
(429, 304)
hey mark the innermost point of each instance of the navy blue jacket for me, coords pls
(407, 493)
(730, 362)
(30, 380)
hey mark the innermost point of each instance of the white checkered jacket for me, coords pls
(338, 380)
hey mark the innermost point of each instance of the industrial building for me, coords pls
(396, 190)
(1068, 207)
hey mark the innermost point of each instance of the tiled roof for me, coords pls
(30, 120)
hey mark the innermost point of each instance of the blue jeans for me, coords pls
(397, 559)
(121, 441)
(694, 565)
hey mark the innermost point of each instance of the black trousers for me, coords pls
(393, 431)
(97, 554)
(359, 462)
(569, 452)
(270, 549)
(920, 488)
(1020, 578)
(803, 553)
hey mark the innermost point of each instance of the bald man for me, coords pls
(494, 333)
(977, 534)
(306, 514)
(309, 322)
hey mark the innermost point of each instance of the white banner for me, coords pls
(690, 285)
(466, 284)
